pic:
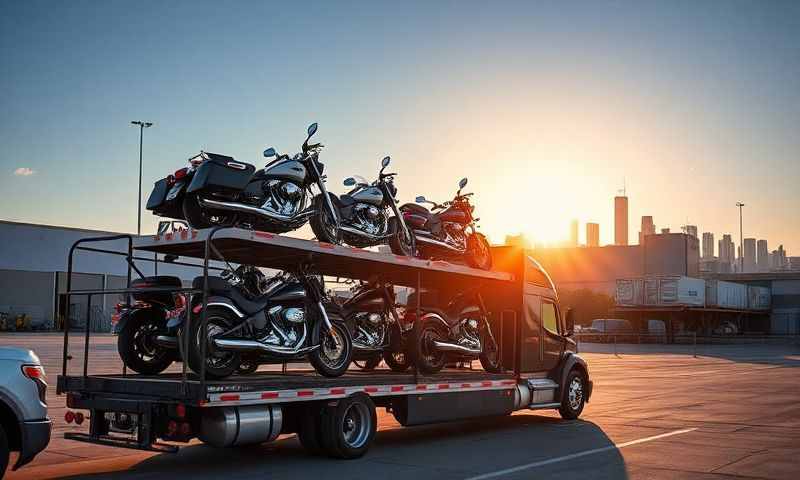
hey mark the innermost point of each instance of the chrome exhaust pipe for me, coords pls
(355, 231)
(431, 241)
(244, 345)
(452, 347)
(240, 207)
(166, 341)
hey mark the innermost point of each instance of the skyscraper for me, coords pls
(708, 245)
(592, 235)
(621, 220)
(727, 250)
(648, 228)
(762, 256)
(573, 233)
(690, 230)
(748, 252)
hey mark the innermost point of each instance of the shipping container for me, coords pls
(651, 295)
(679, 290)
(758, 298)
(630, 291)
(721, 294)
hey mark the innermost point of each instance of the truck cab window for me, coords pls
(550, 317)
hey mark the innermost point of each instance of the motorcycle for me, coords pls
(448, 230)
(460, 331)
(253, 320)
(362, 218)
(148, 328)
(371, 314)
(218, 190)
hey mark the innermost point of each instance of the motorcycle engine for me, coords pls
(370, 219)
(283, 197)
(455, 235)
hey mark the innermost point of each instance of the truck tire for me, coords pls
(135, 344)
(574, 397)
(4, 452)
(309, 429)
(349, 427)
(218, 364)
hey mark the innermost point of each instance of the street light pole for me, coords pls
(142, 126)
(741, 240)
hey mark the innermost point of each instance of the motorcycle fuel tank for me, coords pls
(287, 170)
(453, 215)
(368, 300)
(288, 292)
(371, 195)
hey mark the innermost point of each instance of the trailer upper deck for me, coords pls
(269, 250)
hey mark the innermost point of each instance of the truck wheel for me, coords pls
(429, 359)
(335, 352)
(219, 364)
(397, 361)
(574, 397)
(309, 430)
(136, 346)
(349, 427)
(4, 452)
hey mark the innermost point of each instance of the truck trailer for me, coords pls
(540, 367)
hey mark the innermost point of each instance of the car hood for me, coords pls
(22, 355)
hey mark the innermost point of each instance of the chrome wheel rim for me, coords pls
(575, 394)
(334, 349)
(356, 424)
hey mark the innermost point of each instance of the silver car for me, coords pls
(24, 425)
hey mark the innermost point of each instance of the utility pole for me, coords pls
(142, 126)
(741, 240)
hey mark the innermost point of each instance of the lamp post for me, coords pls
(741, 241)
(142, 126)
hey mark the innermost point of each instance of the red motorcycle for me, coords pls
(448, 230)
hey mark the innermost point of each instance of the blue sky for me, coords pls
(545, 106)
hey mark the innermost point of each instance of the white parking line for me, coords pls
(571, 456)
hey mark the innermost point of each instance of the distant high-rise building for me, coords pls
(762, 256)
(793, 263)
(621, 220)
(690, 230)
(727, 250)
(708, 245)
(664, 230)
(592, 235)
(748, 252)
(573, 233)
(778, 259)
(647, 228)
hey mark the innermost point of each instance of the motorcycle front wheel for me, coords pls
(323, 224)
(479, 255)
(335, 352)
(399, 242)
(490, 356)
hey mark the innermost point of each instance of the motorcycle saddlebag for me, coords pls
(221, 173)
(158, 195)
(161, 281)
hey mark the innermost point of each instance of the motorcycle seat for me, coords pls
(218, 286)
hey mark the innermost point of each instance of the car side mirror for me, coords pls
(570, 320)
(420, 199)
(349, 181)
(270, 152)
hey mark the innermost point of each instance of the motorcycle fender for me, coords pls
(216, 301)
(126, 317)
(568, 362)
(437, 318)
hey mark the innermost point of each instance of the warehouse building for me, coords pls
(33, 278)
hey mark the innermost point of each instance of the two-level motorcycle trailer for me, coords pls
(332, 416)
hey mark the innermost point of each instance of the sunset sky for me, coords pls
(545, 106)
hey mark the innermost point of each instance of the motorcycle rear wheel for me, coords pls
(218, 364)
(323, 224)
(429, 360)
(136, 347)
(198, 217)
(479, 255)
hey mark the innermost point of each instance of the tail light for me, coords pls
(180, 301)
(78, 418)
(36, 374)
(69, 417)
(180, 173)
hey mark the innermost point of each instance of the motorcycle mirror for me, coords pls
(349, 181)
(385, 162)
(270, 152)
(312, 129)
(462, 183)
(420, 199)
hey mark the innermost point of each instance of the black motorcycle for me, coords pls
(362, 215)
(253, 320)
(371, 313)
(459, 331)
(218, 190)
(448, 230)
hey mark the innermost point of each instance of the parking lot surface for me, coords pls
(669, 412)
